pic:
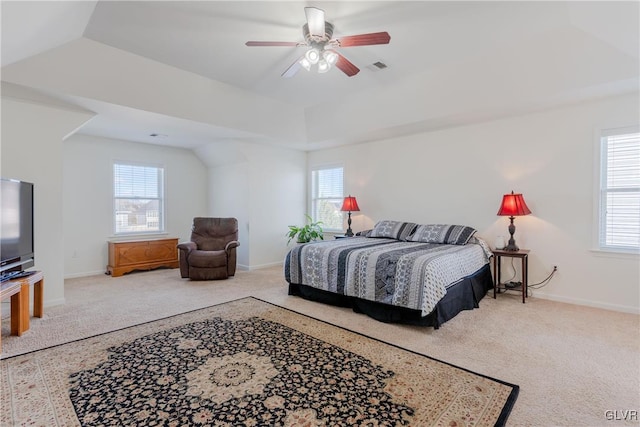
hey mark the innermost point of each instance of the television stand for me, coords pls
(12, 275)
(18, 290)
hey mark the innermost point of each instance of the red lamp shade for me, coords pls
(513, 205)
(350, 205)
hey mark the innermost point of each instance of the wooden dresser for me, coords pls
(130, 255)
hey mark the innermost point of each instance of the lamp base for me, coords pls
(349, 232)
(511, 247)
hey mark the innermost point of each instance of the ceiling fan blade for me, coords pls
(255, 43)
(364, 39)
(293, 68)
(346, 66)
(315, 20)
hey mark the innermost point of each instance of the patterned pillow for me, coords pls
(393, 229)
(364, 233)
(442, 233)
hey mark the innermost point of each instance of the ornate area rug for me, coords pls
(243, 363)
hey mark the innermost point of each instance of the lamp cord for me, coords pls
(513, 267)
(545, 281)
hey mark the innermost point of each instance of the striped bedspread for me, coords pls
(406, 274)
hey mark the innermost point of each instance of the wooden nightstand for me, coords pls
(523, 254)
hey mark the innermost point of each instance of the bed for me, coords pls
(397, 272)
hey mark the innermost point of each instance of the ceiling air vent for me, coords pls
(377, 66)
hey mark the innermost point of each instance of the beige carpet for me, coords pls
(572, 363)
(245, 362)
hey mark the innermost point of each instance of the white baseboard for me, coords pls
(83, 274)
(260, 266)
(52, 302)
(589, 303)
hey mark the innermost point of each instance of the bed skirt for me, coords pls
(464, 295)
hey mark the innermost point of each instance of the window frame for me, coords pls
(161, 205)
(312, 198)
(601, 190)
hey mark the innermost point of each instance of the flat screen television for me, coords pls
(16, 233)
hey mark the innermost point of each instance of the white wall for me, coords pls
(229, 197)
(459, 175)
(265, 188)
(278, 199)
(88, 195)
(32, 139)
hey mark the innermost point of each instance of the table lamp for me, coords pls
(513, 205)
(349, 205)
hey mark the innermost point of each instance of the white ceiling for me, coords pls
(567, 51)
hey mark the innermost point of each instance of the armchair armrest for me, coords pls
(188, 246)
(232, 244)
(185, 249)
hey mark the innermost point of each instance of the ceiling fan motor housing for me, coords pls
(318, 41)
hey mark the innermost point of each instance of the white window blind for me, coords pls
(326, 197)
(620, 191)
(138, 193)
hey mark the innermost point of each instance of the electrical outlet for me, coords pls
(555, 268)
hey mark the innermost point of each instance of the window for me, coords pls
(326, 197)
(619, 225)
(138, 198)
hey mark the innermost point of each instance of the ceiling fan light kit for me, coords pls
(317, 35)
(330, 56)
(305, 64)
(312, 55)
(323, 66)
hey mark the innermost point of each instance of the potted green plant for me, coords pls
(308, 232)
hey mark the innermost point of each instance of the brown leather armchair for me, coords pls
(211, 253)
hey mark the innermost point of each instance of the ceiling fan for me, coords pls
(322, 48)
